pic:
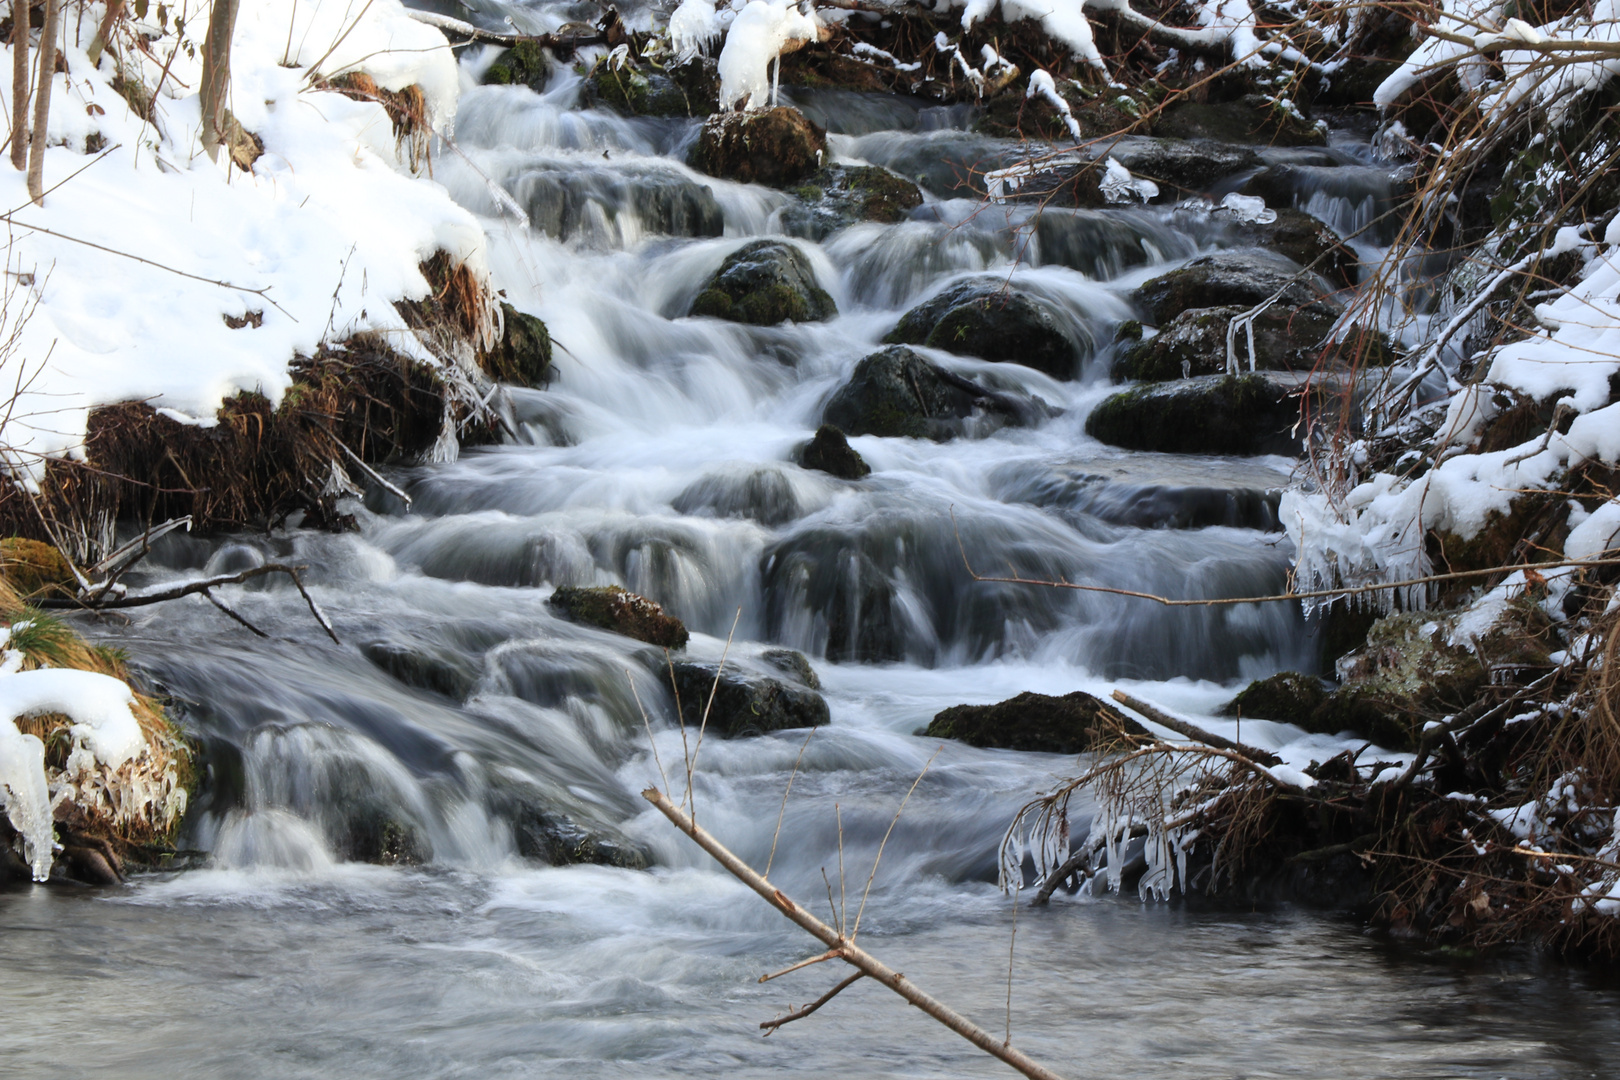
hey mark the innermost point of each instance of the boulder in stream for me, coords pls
(524, 64)
(776, 147)
(1071, 724)
(621, 611)
(830, 452)
(765, 283)
(1213, 414)
(1252, 118)
(690, 89)
(987, 318)
(841, 195)
(523, 355)
(897, 393)
(745, 703)
(1240, 279)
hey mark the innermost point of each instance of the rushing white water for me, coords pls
(463, 725)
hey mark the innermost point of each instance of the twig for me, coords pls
(1193, 731)
(885, 841)
(314, 608)
(770, 1026)
(830, 954)
(852, 954)
(173, 593)
(217, 602)
(368, 470)
(780, 814)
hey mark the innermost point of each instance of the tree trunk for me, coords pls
(216, 76)
(42, 101)
(19, 84)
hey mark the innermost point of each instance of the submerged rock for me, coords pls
(621, 611)
(841, 195)
(776, 147)
(1212, 414)
(830, 452)
(423, 666)
(897, 393)
(765, 283)
(584, 199)
(1071, 724)
(989, 319)
(523, 355)
(745, 703)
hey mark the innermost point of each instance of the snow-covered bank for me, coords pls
(167, 278)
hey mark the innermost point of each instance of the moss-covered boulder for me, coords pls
(1194, 343)
(777, 147)
(792, 663)
(1244, 281)
(1287, 696)
(830, 452)
(765, 283)
(691, 89)
(897, 393)
(1302, 239)
(34, 569)
(989, 319)
(1213, 414)
(1252, 118)
(610, 607)
(524, 64)
(523, 355)
(841, 195)
(1071, 724)
(743, 702)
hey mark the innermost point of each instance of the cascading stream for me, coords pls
(465, 729)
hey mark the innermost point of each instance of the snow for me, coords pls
(693, 28)
(1041, 85)
(103, 730)
(324, 234)
(761, 32)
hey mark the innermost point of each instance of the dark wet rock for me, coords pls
(1212, 414)
(416, 664)
(1288, 696)
(765, 283)
(1365, 194)
(776, 147)
(375, 836)
(1179, 166)
(1071, 724)
(1013, 114)
(1194, 343)
(793, 663)
(523, 355)
(841, 195)
(524, 64)
(556, 839)
(1154, 500)
(830, 452)
(1102, 245)
(692, 89)
(565, 201)
(1250, 119)
(989, 319)
(1243, 280)
(621, 611)
(897, 393)
(745, 703)
(1304, 240)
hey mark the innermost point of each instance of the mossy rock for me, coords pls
(1389, 721)
(793, 663)
(765, 283)
(1235, 414)
(690, 89)
(1303, 239)
(424, 667)
(990, 320)
(896, 393)
(841, 195)
(1071, 724)
(1239, 280)
(1531, 514)
(830, 452)
(776, 147)
(1288, 696)
(35, 569)
(742, 703)
(523, 356)
(524, 64)
(610, 607)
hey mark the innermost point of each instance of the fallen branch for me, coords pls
(468, 32)
(1193, 731)
(864, 962)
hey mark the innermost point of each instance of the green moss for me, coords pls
(1288, 696)
(1071, 724)
(524, 64)
(713, 303)
(610, 607)
(523, 356)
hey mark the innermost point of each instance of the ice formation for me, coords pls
(761, 32)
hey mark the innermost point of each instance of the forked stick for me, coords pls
(852, 954)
